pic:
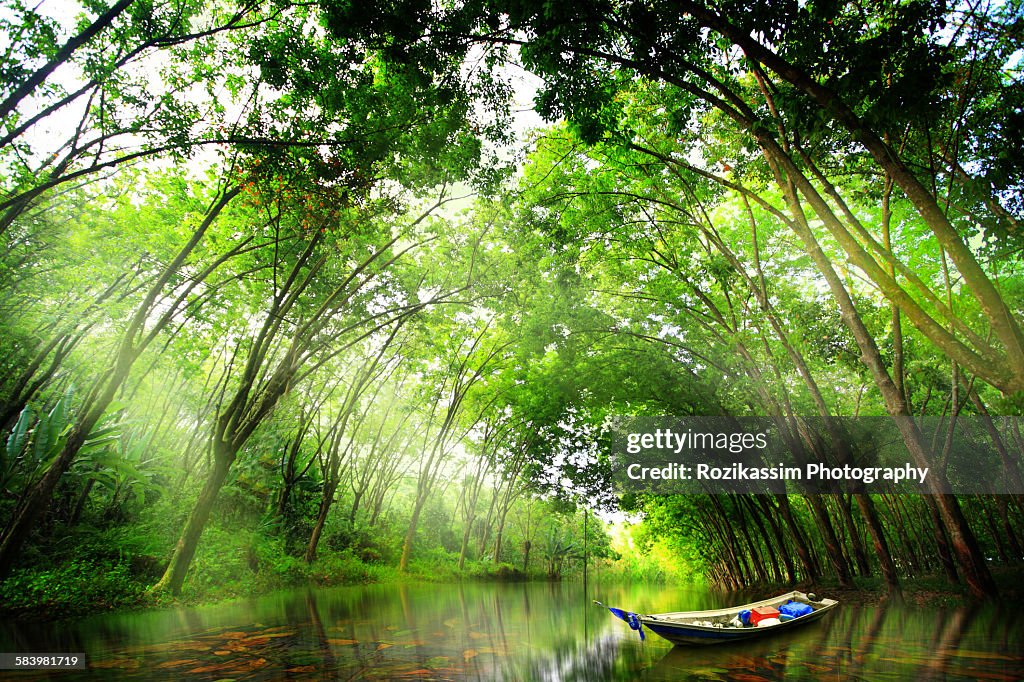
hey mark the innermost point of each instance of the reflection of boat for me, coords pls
(716, 625)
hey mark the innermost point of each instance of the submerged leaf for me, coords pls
(115, 663)
(173, 664)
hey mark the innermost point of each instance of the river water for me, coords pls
(521, 632)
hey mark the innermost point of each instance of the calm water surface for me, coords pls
(534, 631)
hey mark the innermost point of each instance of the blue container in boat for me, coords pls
(795, 609)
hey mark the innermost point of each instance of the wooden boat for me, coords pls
(712, 627)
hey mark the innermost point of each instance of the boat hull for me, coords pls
(675, 626)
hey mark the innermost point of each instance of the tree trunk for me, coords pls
(37, 501)
(76, 513)
(810, 570)
(903, 522)
(321, 519)
(829, 539)
(185, 550)
(783, 551)
(378, 507)
(870, 515)
(963, 542)
(962, 539)
(466, 532)
(860, 556)
(756, 559)
(485, 534)
(773, 556)
(356, 498)
(994, 532)
(942, 541)
(410, 535)
(283, 497)
(499, 536)
(1009, 373)
(31, 380)
(1004, 514)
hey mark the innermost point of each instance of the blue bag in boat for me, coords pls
(795, 609)
(745, 617)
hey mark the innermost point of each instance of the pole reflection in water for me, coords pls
(523, 631)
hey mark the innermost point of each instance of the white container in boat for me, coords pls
(768, 621)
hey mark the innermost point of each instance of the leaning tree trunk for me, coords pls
(321, 520)
(828, 536)
(773, 557)
(881, 545)
(773, 524)
(464, 548)
(755, 554)
(860, 556)
(1002, 504)
(184, 551)
(134, 341)
(410, 534)
(802, 550)
(964, 543)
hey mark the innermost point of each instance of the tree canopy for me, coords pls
(293, 272)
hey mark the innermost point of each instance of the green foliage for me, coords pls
(77, 586)
(250, 257)
(369, 545)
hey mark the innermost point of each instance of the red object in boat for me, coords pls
(761, 612)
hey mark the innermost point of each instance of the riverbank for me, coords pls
(80, 588)
(83, 587)
(923, 591)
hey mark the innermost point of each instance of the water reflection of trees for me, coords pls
(594, 659)
(889, 640)
(542, 632)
